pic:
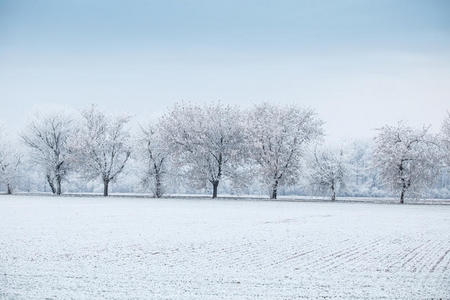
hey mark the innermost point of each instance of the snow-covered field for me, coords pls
(201, 248)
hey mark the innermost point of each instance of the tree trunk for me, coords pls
(158, 189)
(105, 187)
(8, 189)
(333, 194)
(402, 196)
(215, 184)
(274, 190)
(50, 183)
(58, 185)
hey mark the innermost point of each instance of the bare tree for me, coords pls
(328, 171)
(207, 142)
(47, 137)
(154, 153)
(101, 146)
(10, 161)
(407, 158)
(445, 138)
(362, 177)
(277, 138)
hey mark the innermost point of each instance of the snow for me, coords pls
(80, 247)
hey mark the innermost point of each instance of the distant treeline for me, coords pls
(216, 147)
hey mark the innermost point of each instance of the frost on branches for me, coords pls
(102, 146)
(10, 161)
(328, 171)
(277, 139)
(445, 138)
(407, 158)
(153, 152)
(207, 142)
(48, 137)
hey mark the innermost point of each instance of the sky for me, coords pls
(360, 64)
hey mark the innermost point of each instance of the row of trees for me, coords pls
(95, 146)
(405, 160)
(276, 146)
(215, 142)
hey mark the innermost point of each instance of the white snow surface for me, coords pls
(122, 248)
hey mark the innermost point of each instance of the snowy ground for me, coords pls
(191, 248)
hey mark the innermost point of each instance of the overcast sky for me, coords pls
(359, 64)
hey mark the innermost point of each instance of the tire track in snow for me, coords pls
(427, 259)
(322, 262)
(391, 266)
(441, 258)
(419, 256)
(356, 256)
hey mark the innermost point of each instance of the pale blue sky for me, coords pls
(360, 64)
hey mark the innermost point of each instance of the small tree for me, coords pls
(207, 143)
(328, 171)
(445, 138)
(48, 138)
(407, 158)
(154, 153)
(10, 161)
(102, 146)
(277, 137)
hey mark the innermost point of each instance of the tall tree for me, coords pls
(407, 158)
(48, 137)
(102, 146)
(277, 139)
(207, 142)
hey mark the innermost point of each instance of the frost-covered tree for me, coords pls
(362, 177)
(407, 158)
(10, 161)
(328, 171)
(154, 153)
(277, 138)
(207, 142)
(101, 146)
(47, 137)
(445, 138)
